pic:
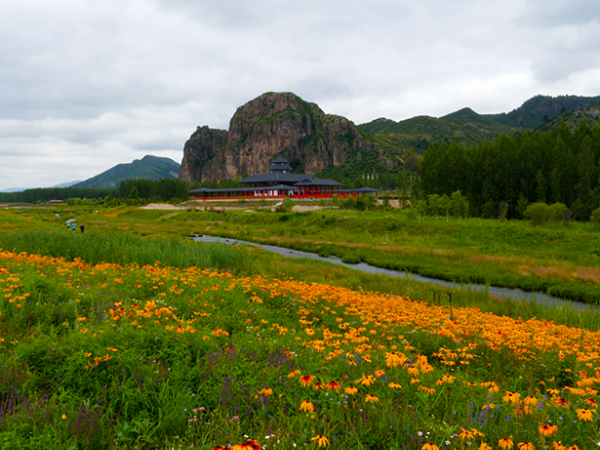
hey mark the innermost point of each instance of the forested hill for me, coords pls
(560, 165)
(541, 109)
(464, 127)
(467, 127)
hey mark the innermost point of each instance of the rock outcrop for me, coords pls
(272, 125)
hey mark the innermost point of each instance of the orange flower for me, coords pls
(307, 380)
(559, 401)
(333, 386)
(429, 446)
(394, 359)
(351, 390)
(307, 407)
(511, 397)
(445, 379)
(366, 380)
(250, 444)
(547, 430)
(371, 399)
(525, 446)
(321, 440)
(587, 415)
(466, 434)
(506, 443)
(558, 446)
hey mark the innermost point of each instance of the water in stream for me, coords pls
(516, 294)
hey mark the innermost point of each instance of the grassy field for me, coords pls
(129, 336)
(559, 260)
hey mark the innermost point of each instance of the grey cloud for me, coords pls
(99, 83)
(560, 13)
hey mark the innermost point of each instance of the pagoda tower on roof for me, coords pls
(280, 165)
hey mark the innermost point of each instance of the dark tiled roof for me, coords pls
(280, 160)
(289, 178)
(318, 182)
(270, 177)
(277, 167)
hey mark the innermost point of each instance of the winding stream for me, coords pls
(511, 293)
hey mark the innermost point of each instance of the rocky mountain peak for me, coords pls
(271, 125)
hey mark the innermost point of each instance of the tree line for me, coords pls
(131, 191)
(504, 176)
(43, 195)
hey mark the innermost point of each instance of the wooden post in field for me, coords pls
(451, 313)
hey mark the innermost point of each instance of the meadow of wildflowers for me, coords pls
(100, 355)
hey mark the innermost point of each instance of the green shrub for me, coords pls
(538, 213)
(459, 205)
(285, 206)
(559, 212)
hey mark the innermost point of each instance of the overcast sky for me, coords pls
(86, 85)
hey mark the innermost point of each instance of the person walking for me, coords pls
(81, 228)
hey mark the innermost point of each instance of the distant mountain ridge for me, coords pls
(467, 127)
(149, 167)
(540, 109)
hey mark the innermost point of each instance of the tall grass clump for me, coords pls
(124, 249)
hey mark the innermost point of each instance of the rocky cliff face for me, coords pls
(272, 125)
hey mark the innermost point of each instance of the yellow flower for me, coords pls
(587, 415)
(394, 359)
(63, 417)
(371, 399)
(427, 389)
(307, 380)
(547, 430)
(394, 385)
(366, 380)
(484, 446)
(351, 390)
(266, 392)
(445, 379)
(466, 434)
(506, 443)
(511, 397)
(307, 407)
(429, 446)
(413, 371)
(321, 440)
(525, 446)
(558, 446)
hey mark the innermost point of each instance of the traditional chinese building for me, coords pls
(281, 182)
